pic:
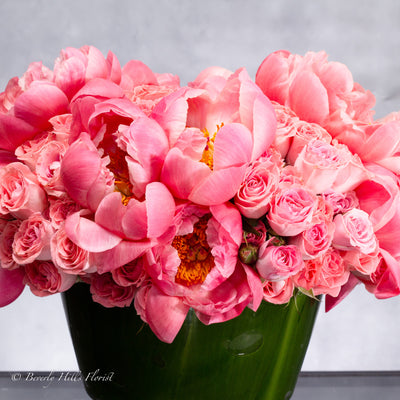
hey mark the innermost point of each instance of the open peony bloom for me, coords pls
(213, 133)
(120, 233)
(201, 270)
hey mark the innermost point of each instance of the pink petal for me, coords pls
(6, 157)
(272, 76)
(171, 112)
(123, 253)
(102, 88)
(135, 220)
(165, 314)
(14, 132)
(110, 213)
(39, 103)
(88, 235)
(160, 209)
(82, 173)
(11, 285)
(345, 290)
(97, 66)
(181, 173)
(135, 73)
(308, 98)
(114, 68)
(232, 147)
(389, 284)
(218, 187)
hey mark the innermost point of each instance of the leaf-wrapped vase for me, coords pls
(255, 356)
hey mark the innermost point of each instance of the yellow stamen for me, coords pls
(208, 153)
(195, 254)
(119, 169)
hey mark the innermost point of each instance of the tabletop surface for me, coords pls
(311, 385)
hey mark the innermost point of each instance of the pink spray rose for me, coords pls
(69, 257)
(20, 192)
(45, 279)
(323, 275)
(106, 292)
(305, 132)
(32, 240)
(354, 231)
(292, 211)
(277, 263)
(6, 244)
(278, 292)
(257, 189)
(324, 166)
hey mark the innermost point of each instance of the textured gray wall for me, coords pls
(183, 37)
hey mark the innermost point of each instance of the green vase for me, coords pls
(256, 356)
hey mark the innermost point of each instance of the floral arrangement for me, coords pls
(214, 196)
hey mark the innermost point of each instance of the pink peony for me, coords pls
(45, 279)
(74, 67)
(316, 89)
(234, 124)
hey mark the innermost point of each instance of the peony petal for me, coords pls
(14, 132)
(171, 112)
(160, 209)
(97, 66)
(308, 98)
(273, 75)
(83, 174)
(165, 314)
(136, 73)
(121, 254)
(39, 103)
(134, 223)
(88, 235)
(110, 213)
(233, 146)
(345, 290)
(218, 187)
(181, 173)
(100, 88)
(11, 285)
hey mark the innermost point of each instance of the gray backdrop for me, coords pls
(184, 37)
